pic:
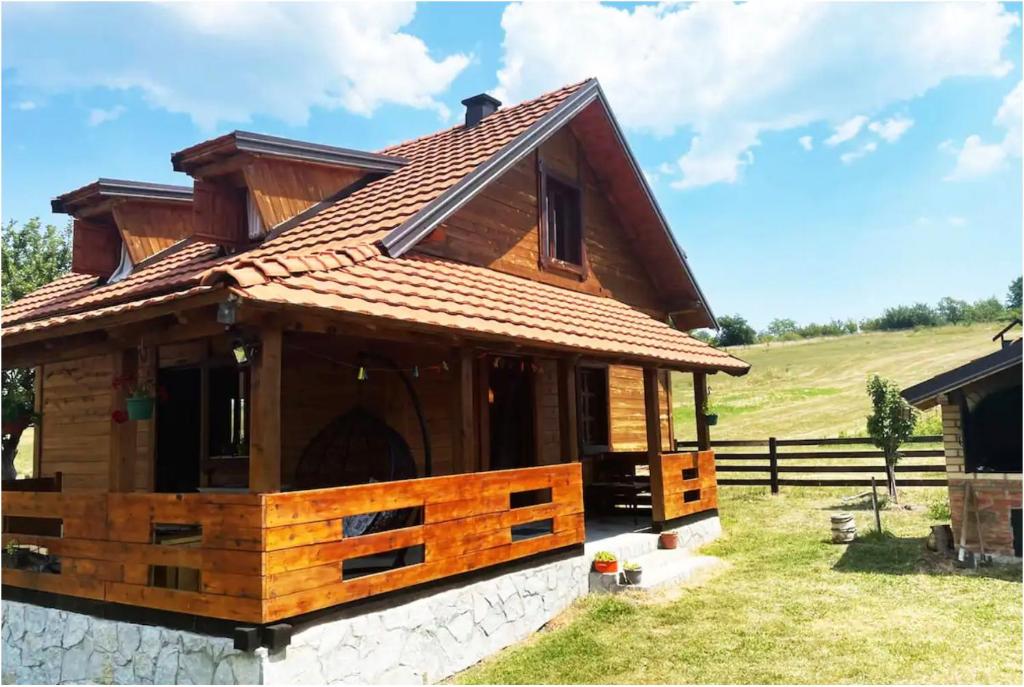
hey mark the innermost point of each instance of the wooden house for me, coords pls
(371, 370)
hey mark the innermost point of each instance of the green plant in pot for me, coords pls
(710, 414)
(633, 572)
(605, 562)
(139, 397)
(12, 554)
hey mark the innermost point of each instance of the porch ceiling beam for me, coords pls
(325, 320)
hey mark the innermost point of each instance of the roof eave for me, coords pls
(120, 188)
(924, 395)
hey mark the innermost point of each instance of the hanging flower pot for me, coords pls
(712, 419)
(139, 407)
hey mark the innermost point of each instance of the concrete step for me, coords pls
(661, 567)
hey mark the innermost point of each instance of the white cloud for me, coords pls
(860, 152)
(26, 105)
(892, 129)
(956, 220)
(975, 158)
(221, 62)
(726, 73)
(847, 131)
(99, 116)
(806, 142)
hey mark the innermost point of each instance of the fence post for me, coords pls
(773, 464)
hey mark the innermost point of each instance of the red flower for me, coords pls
(119, 416)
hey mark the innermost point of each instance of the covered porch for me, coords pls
(299, 459)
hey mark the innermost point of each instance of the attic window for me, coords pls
(124, 268)
(561, 223)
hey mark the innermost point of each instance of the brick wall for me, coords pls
(995, 493)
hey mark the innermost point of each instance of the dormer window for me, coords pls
(561, 224)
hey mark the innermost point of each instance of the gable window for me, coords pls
(561, 223)
(593, 408)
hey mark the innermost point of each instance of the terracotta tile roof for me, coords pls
(467, 298)
(75, 292)
(105, 311)
(436, 162)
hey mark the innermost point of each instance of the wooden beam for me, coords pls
(37, 430)
(652, 420)
(464, 450)
(671, 410)
(483, 415)
(568, 431)
(123, 435)
(265, 444)
(700, 396)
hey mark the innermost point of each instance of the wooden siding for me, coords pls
(315, 389)
(498, 229)
(678, 477)
(95, 248)
(628, 430)
(283, 189)
(546, 417)
(76, 426)
(148, 228)
(266, 557)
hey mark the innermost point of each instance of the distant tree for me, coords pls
(952, 310)
(734, 331)
(907, 317)
(1013, 296)
(705, 335)
(781, 327)
(890, 424)
(986, 310)
(32, 255)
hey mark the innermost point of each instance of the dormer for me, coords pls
(247, 185)
(118, 224)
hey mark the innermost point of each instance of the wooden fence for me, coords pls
(767, 461)
(264, 557)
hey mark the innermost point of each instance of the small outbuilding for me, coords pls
(981, 427)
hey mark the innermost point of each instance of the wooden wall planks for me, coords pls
(669, 488)
(628, 419)
(148, 227)
(498, 229)
(266, 557)
(283, 189)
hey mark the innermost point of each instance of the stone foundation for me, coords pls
(412, 637)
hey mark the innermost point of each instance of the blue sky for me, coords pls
(815, 161)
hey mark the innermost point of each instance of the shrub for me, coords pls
(985, 310)
(939, 510)
(734, 331)
(907, 317)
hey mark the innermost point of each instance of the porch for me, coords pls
(224, 504)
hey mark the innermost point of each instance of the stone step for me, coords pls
(661, 567)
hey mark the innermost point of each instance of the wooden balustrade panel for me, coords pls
(260, 558)
(106, 549)
(676, 478)
(467, 524)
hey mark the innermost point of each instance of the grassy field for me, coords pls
(23, 458)
(790, 607)
(815, 388)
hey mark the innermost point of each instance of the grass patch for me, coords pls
(794, 608)
(815, 388)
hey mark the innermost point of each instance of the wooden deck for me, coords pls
(265, 557)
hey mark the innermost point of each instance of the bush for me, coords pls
(907, 317)
(985, 310)
(734, 331)
(939, 510)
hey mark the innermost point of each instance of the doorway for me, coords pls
(510, 413)
(178, 429)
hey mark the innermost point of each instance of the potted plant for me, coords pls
(12, 554)
(668, 540)
(606, 562)
(633, 572)
(139, 397)
(710, 414)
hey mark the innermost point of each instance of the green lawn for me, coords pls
(792, 608)
(23, 458)
(816, 388)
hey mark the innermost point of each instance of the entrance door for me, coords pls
(178, 431)
(510, 397)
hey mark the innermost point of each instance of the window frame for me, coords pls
(548, 261)
(587, 448)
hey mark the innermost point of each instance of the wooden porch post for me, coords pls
(123, 435)
(700, 396)
(265, 443)
(464, 437)
(652, 420)
(568, 432)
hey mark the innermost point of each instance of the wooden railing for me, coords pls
(766, 461)
(266, 557)
(682, 484)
